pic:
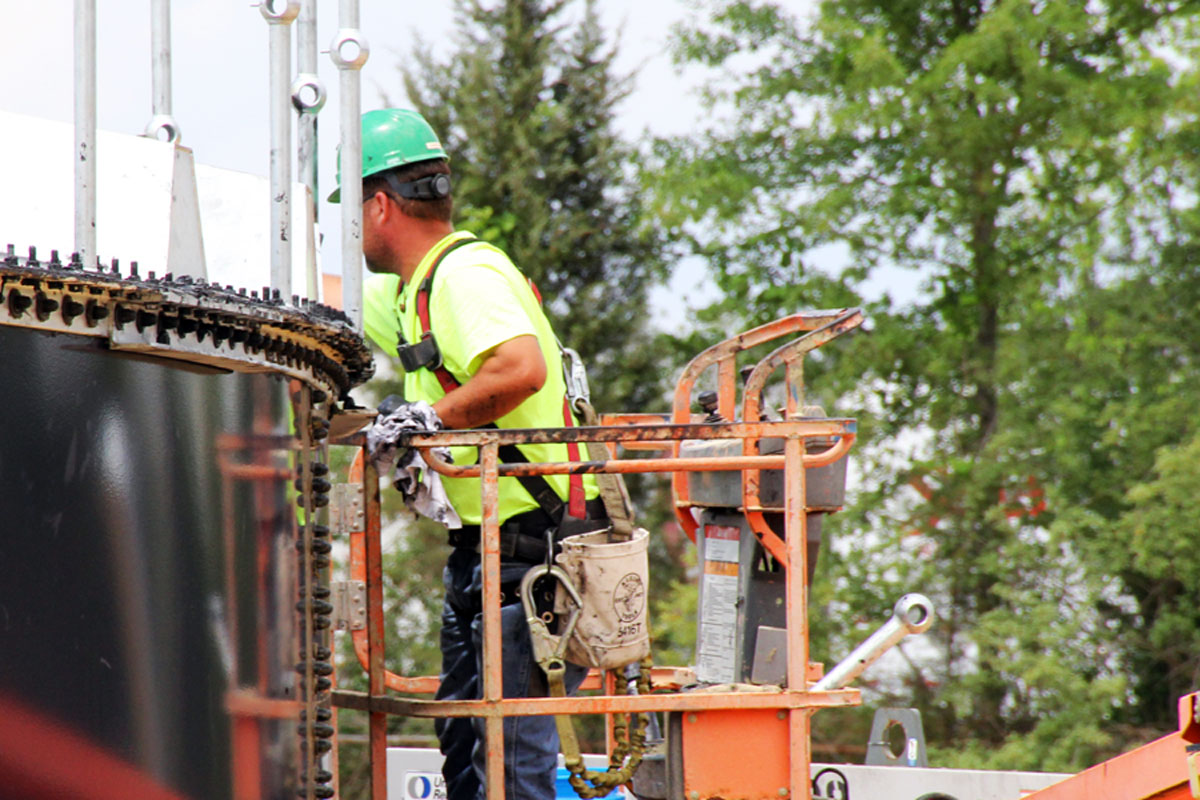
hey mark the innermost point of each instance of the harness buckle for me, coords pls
(423, 354)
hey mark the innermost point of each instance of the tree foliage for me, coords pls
(525, 106)
(1027, 164)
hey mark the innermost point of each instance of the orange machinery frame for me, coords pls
(784, 716)
(1165, 769)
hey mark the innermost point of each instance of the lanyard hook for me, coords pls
(549, 650)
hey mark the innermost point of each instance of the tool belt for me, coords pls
(523, 536)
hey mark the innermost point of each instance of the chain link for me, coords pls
(315, 666)
(184, 318)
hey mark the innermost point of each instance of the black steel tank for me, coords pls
(163, 625)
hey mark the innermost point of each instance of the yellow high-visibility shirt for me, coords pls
(479, 300)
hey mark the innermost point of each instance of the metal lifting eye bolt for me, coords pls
(162, 123)
(349, 49)
(160, 44)
(279, 12)
(308, 93)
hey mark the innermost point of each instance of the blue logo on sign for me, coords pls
(420, 787)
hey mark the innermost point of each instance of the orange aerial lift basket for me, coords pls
(730, 741)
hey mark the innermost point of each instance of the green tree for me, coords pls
(1124, 446)
(998, 151)
(525, 107)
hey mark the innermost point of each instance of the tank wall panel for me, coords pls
(120, 496)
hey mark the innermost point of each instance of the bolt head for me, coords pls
(783, 792)
(694, 795)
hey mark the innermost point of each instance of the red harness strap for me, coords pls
(576, 501)
(576, 504)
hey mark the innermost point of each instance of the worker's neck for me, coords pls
(419, 237)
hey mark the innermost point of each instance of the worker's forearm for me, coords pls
(477, 403)
(512, 373)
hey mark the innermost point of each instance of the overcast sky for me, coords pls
(220, 73)
(220, 77)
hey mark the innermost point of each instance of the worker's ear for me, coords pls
(377, 205)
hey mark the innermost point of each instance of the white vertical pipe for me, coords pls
(279, 23)
(85, 130)
(160, 52)
(308, 96)
(160, 70)
(349, 52)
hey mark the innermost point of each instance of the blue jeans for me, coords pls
(530, 743)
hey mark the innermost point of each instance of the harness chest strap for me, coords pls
(576, 501)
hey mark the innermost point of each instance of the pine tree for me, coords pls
(525, 106)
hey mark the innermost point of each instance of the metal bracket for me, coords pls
(346, 508)
(879, 747)
(770, 656)
(1193, 756)
(349, 605)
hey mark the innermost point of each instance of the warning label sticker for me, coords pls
(715, 647)
(721, 543)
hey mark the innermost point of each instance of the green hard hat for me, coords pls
(392, 137)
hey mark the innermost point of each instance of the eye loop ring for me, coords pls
(349, 49)
(160, 123)
(308, 93)
(289, 12)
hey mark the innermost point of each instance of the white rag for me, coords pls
(420, 486)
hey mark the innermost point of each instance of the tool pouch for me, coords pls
(611, 578)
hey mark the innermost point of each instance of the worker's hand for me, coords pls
(387, 444)
(390, 404)
(397, 419)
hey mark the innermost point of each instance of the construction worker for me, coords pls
(469, 330)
